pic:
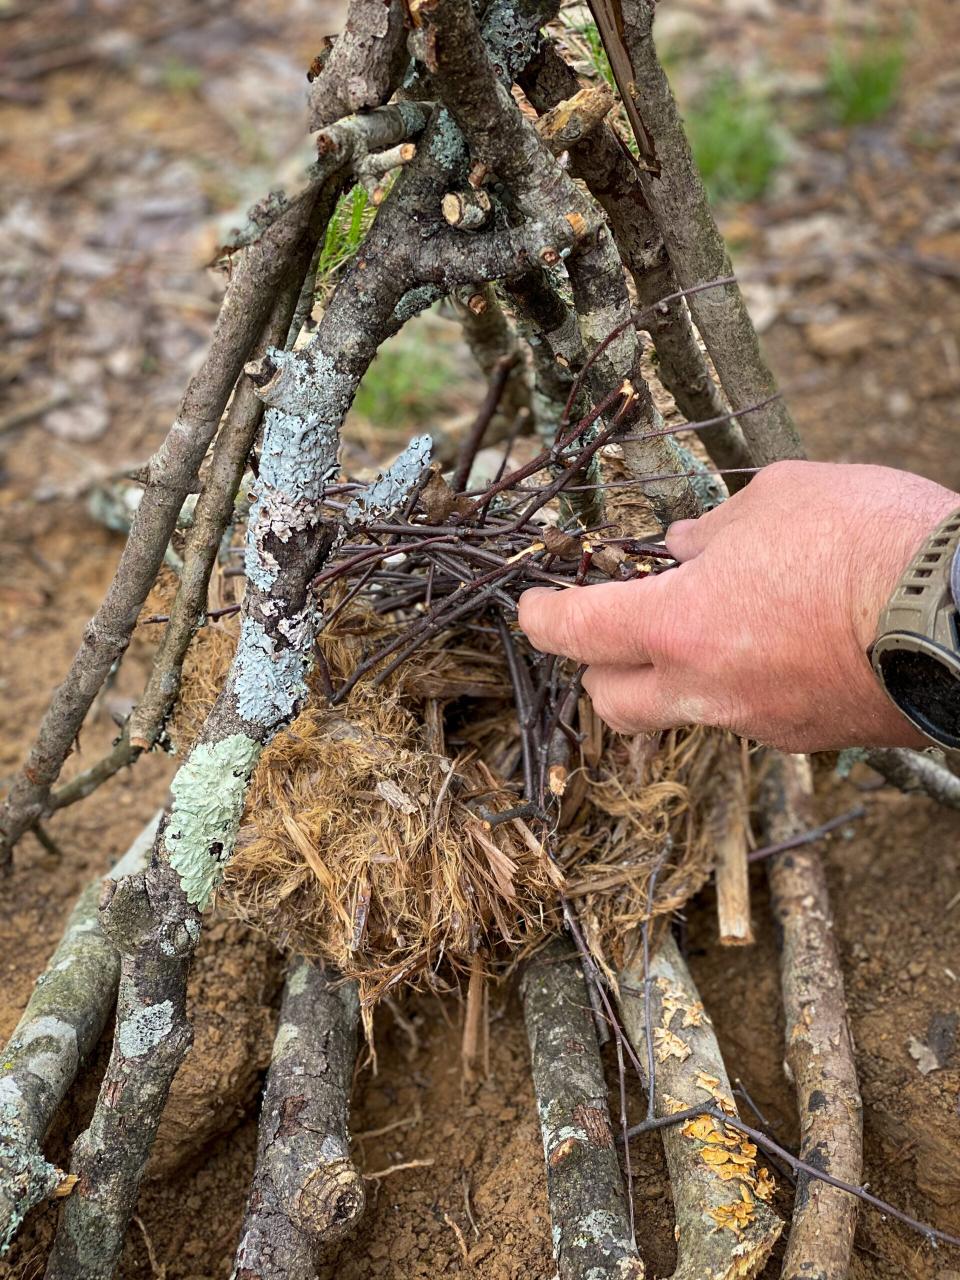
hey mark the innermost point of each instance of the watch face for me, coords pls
(924, 684)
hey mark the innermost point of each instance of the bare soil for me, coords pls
(118, 167)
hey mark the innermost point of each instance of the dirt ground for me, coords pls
(130, 135)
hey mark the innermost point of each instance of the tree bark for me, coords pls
(59, 1029)
(819, 1051)
(591, 1221)
(306, 1189)
(678, 200)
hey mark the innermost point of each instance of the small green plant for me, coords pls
(735, 140)
(180, 77)
(350, 222)
(401, 389)
(595, 52)
(862, 86)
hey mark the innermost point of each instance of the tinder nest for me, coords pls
(374, 835)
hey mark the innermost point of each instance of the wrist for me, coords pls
(893, 536)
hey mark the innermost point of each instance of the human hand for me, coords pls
(763, 626)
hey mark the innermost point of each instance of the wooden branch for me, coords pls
(819, 1051)
(724, 1226)
(365, 64)
(611, 175)
(916, 771)
(306, 1189)
(469, 209)
(59, 1029)
(213, 512)
(591, 1222)
(676, 195)
(148, 922)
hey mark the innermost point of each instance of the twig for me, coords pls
(808, 837)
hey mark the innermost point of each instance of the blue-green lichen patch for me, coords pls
(26, 1178)
(208, 797)
(269, 682)
(392, 487)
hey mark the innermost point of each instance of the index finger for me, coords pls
(612, 623)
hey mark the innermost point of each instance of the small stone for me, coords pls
(841, 338)
(916, 968)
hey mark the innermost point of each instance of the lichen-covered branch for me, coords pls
(676, 195)
(588, 1208)
(819, 1051)
(212, 515)
(725, 1227)
(365, 64)
(144, 918)
(306, 1189)
(603, 162)
(60, 1027)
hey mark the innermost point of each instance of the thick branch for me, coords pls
(365, 64)
(916, 771)
(306, 1188)
(819, 1051)
(59, 1028)
(591, 1221)
(678, 199)
(145, 919)
(724, 1227)
(448, 40)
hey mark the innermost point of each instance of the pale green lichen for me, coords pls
(208, 796)
(26, 1177)
(144, 1029)
(286, 1034)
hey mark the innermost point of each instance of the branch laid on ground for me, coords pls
(819, 1051)
(608, 169)
(591, 1221)
(262, 270)
(677, 197)
(724, 1226)
(365, 64)
(448, 40)
(60, 1026)
(306, 1189)
(915, 771)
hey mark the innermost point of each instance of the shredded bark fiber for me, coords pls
(366, 840)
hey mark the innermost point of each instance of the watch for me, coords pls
(916, 654)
